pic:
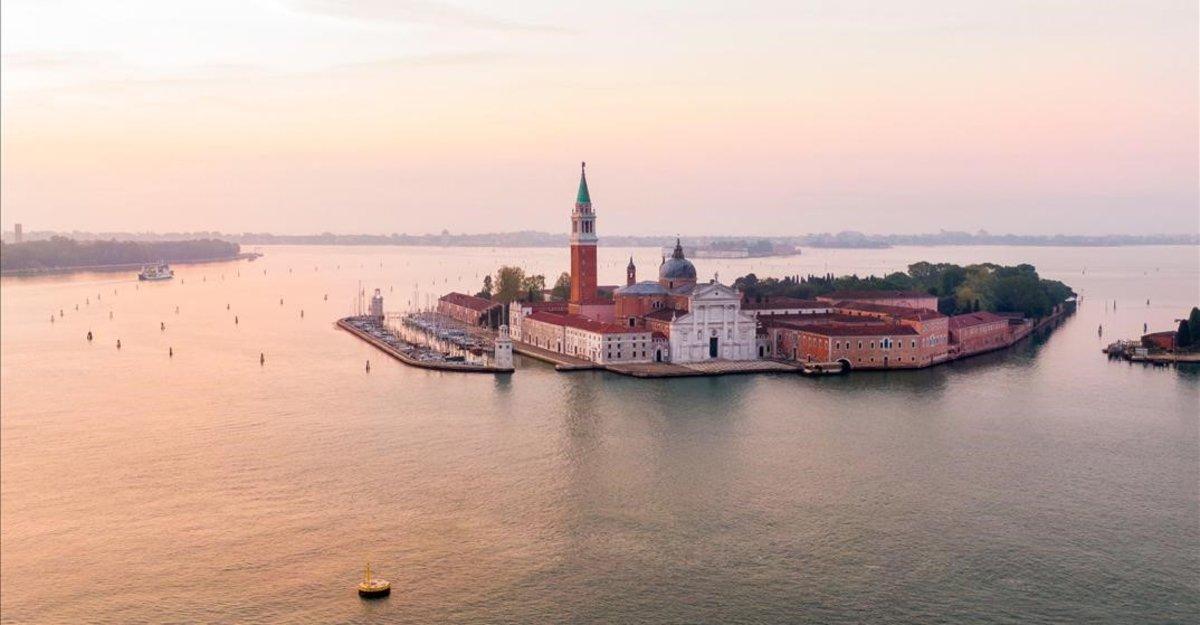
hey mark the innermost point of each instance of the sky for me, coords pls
(696, 117)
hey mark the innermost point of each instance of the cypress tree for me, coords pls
(1183, 336)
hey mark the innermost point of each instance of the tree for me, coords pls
(562, 287)
(1183, 336)
(486, 292)
(532, 288)
(1194, 327)
(509, 283)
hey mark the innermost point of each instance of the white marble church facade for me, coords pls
(714, 326)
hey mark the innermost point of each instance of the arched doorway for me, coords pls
(845, 364)
(658, 355)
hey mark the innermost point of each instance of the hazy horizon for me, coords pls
(365, 116)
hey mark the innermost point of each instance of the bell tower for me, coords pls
(583, 248)
(630, 272)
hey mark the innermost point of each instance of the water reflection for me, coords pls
(911, 496)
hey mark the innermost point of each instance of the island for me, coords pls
(680, 325)
(62, 254)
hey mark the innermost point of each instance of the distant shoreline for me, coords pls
(42, 271)
(530, 238)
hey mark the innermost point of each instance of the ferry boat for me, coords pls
(161, 271)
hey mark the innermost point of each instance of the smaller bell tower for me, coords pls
(630, 272)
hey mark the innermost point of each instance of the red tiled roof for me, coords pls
(468, 301)
(582, 323)
(775, 303)
(958, 322)
(547, 306)
(849, 295)
(901, 312)
(791, 321)
(863, 330)
(664, 314)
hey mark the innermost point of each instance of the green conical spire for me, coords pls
(583, 197)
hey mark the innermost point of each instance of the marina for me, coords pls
(375, 332)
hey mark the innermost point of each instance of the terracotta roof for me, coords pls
(900, 312)
(582, 323)
(792, 321)
(863, 330)
(547, 306)
(847, 295)
(958, 322)
(775, 303)
(664, 314)
(468, 301)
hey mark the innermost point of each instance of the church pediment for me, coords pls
(714, 291)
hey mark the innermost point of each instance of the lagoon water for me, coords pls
(1043, 483)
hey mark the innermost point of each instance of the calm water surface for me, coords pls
(1039, 484)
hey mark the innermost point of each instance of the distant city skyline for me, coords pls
(308, 116)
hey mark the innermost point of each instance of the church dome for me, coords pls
(677, 267)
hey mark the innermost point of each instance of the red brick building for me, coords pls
(471, 309)
(1160, 340)
(863, 346)
(978, 332)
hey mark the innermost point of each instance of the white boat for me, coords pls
(161, 271)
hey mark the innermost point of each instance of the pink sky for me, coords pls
(297, 116)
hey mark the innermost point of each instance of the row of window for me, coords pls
(609, 355)
(884, 344)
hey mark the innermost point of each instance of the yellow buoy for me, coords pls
(373, 587)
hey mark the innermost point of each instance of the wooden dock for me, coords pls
(439, 365)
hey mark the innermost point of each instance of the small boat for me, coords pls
(373, 587)
(161, 271)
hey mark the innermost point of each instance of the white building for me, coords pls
(713, 327)
(588, 339)
(503, 349)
